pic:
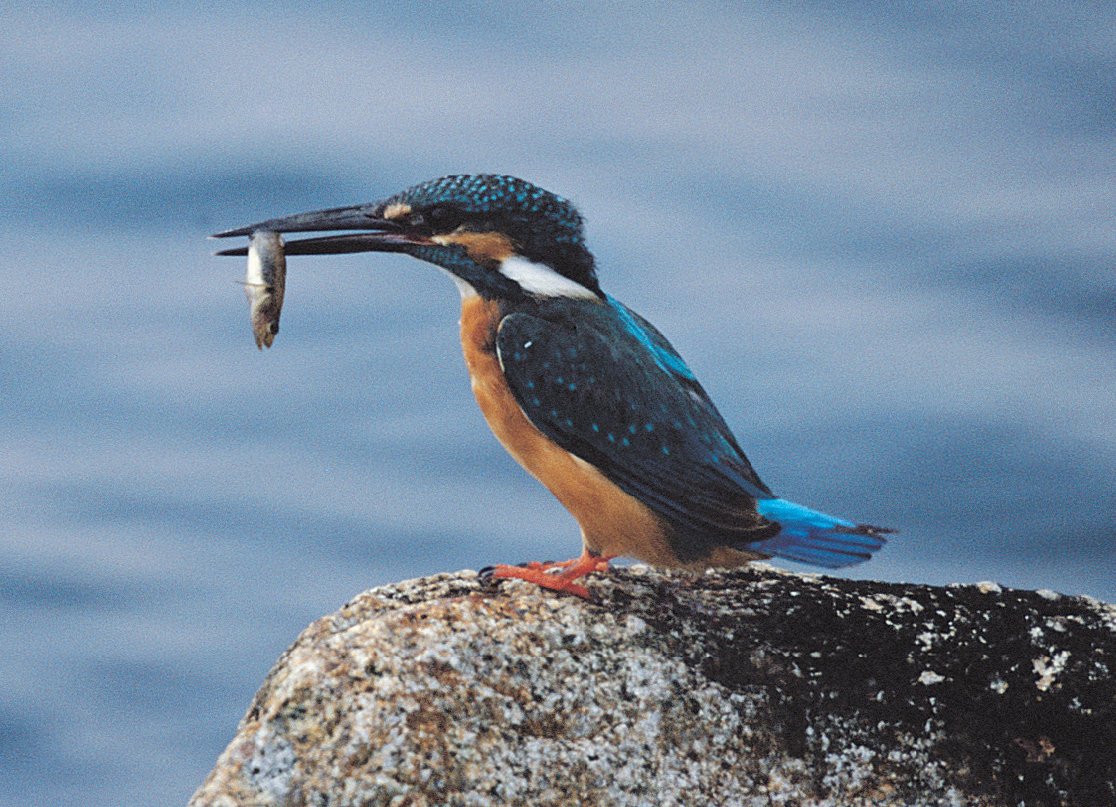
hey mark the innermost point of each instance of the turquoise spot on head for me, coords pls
(545, 227)
(490, 193)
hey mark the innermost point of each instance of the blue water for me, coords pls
(883, 240)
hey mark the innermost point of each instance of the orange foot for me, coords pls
(544, 575)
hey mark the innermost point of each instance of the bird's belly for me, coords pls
(612, 522)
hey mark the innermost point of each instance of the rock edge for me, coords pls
(750, 687)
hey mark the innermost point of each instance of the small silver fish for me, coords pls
(267, 275)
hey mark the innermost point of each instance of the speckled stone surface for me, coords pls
(752, 687)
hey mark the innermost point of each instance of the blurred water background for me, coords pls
(882, 235)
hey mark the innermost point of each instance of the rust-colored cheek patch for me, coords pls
(487, 249)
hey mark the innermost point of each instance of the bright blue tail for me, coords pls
(812, 537)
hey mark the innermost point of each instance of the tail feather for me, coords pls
(808, 536)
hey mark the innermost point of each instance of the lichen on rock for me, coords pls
(751, 687)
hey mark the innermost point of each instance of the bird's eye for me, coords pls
(437, 218)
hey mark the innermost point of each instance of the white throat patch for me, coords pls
(466, 290)
(537, 278)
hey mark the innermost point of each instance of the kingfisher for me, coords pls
(582, 391)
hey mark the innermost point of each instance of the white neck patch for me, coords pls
(537, 278)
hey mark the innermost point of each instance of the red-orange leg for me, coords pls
(543, 574)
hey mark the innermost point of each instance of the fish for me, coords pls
(264, 283)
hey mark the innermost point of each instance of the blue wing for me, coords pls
(602, 383)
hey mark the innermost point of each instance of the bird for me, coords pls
(582, 391)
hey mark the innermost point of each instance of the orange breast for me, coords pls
(612, 522)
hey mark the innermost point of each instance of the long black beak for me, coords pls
(387, 236)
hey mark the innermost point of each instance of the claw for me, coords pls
(547, 576)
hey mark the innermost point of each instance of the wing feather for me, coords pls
(604, 385)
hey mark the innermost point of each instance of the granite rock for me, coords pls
(750, 687)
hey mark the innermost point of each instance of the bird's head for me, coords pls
(497, 235)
